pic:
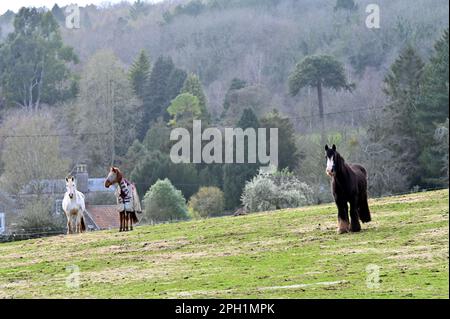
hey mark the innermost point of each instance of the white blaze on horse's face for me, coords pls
(70, 186)
(330, 166)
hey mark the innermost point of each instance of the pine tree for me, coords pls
(140, 73)
(35, 63)
(288, 152)
(138, 8)
(164, 84)
(58, 13)
(432, 111)
(235, 175)
(319, 71)
(345, 5)
(154, 95)
(397, 130)
(236, 84)
(193, 86)
(174, 86)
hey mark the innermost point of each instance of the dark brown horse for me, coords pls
(127, 199)
(349, 185)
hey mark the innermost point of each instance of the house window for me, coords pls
(2, 223)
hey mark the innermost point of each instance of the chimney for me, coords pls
(81, 176)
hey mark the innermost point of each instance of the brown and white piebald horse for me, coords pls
(127, 199)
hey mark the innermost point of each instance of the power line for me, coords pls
(305, 117)
(334, 113)
(56, 135)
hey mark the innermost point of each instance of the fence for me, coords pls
(32, 233)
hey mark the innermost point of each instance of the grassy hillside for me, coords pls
(293, 253)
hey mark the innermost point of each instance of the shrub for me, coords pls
(37, 217)
(208, 201)
(273, 189)
(164, 202)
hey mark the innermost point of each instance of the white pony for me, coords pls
(74, 207)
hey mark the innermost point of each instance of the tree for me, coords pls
(37, 217)
(134, 153)
(158, 137)
(138, 8)
(208, 201)
(395, 132)
(288, 152)
(319, 71)
(30, 152)
(176, 81)
(255, 97)
(184, 107)
(236, 84)
(107, 110)
(432, 110)
(235, 175)
(139, 76)
(345, 5)
(155, 165)
(155, 98)
(34, 62)
(140, 73)
(164, 85)
(58, 13)
(164, 202)
(441, 148)
(275, 190)
(193, 86)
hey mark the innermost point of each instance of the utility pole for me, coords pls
(113, 146)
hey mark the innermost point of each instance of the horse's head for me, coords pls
(331, 156)
(71, 186)
(114, 176)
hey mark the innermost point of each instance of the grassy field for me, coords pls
(293, 253)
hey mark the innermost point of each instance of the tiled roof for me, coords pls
(104, 216)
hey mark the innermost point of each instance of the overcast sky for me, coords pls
(15, 5)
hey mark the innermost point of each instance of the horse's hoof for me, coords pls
(343, 226)
(355, 229)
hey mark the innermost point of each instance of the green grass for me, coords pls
(293, 253)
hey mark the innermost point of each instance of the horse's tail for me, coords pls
(134, 217)
(83, 224)
(363, 209)
(136, 202)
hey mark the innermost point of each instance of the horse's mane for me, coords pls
(118, 174)
(339, 161)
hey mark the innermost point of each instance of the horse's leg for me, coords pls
(71, 225)
(68, 226)
(363, 208)
(130, 218)
(355, 226)
(343, 223)
(77, 225)
(126, 220)
(121, 221)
